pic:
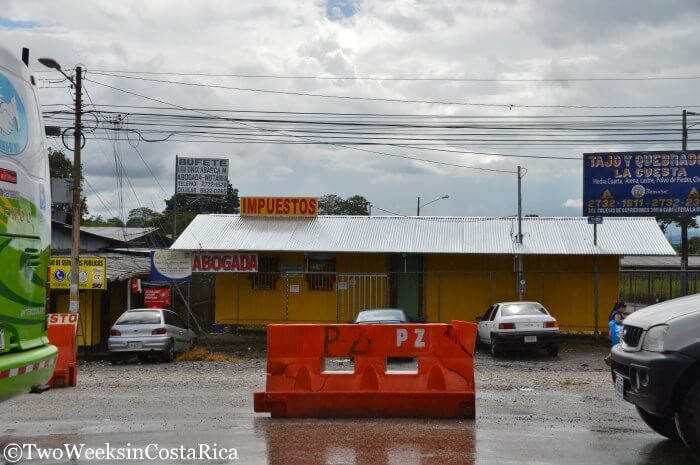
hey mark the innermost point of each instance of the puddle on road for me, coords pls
(375, 441)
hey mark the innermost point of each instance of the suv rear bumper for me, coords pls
(649, 377)
(512, 339)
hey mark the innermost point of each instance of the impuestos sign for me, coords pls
(279, 206)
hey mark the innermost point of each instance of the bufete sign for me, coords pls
(201, 175)
(279, 206)
(224, 263)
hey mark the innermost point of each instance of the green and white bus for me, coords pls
(27, 359)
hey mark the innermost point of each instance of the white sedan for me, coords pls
(517, 325)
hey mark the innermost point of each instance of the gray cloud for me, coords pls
(506, 39)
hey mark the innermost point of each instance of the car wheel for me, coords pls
(496, 350)
(688, 419)
(553, 350)
(169, 354)
(665, 426)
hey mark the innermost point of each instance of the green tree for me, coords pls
(693, 245)
(99, 221)
(332, 204)
(189, 206)
(667, 220)
(60, 167)
(141, 217)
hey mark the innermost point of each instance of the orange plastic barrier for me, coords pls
(298, 385)
(62, 330)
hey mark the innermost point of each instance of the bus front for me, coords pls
(26, 358)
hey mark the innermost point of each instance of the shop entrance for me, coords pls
(407, 284)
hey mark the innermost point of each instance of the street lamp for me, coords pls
(426, 204)
(74, 306)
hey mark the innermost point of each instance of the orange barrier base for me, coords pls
(64, 378)
(299, 384)
(364, 405)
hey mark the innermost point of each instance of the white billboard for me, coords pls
(201, 176)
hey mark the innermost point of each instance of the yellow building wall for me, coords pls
(89, 318)
(463, 287)
(237, 303)
(454, 287)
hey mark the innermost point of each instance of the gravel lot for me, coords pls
(530, 409)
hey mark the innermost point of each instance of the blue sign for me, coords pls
(14, 130)
(595, 220)
(641, 183)
(59, 275)
(171, 266)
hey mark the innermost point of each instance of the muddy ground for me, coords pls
(531, 409)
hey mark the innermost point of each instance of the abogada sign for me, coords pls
(224, 262)
(201, 176)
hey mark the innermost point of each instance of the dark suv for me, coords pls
(657, 368)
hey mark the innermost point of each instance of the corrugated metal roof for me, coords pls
(121, 267)
(118, 233)
(393, 234)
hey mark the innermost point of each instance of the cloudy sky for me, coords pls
(525, 58)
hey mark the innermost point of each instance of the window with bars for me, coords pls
(320, 274)
(268, 274)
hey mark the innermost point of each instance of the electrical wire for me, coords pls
(312, 140)
(379, 99)
(392, 78)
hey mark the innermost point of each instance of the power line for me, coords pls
(393, 78)
(312, 140)
(382, 115)
(380, 99)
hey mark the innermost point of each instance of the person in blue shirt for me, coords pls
(615, 329)
(620, 307)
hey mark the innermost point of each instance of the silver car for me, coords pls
(381, 316)
(146, 331)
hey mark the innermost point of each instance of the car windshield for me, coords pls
(381, 315)
(139, 318)
(522, 309)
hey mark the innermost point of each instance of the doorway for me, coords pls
(407, 284)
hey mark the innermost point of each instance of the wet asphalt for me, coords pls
(531, 409)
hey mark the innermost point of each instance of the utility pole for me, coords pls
(418, 208)
(520, 277)
(684, 222)
(175, 202)
(74, 296)
(520, 206)
(74, 306)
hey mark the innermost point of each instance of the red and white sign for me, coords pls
(156, 297)
(135, 285)
(224, 263)
(63, 319)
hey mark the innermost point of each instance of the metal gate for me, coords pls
(355, 292)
